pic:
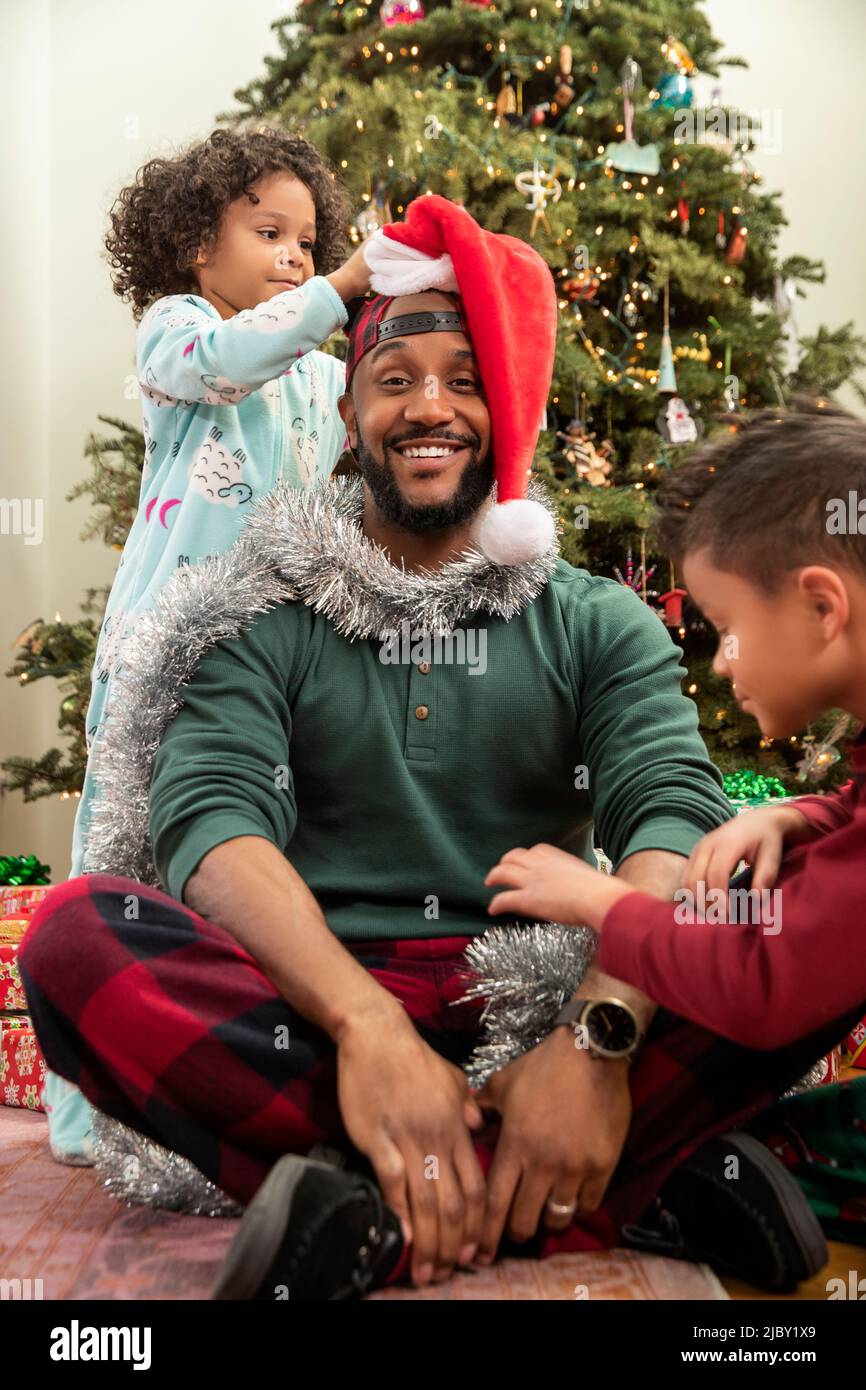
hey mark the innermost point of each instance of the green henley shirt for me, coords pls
(392, 789)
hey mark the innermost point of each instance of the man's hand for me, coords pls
(409, 1111)
(565, 1118)
(548, 883)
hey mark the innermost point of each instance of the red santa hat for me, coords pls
(508, 299)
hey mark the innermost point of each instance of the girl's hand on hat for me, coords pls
(352, 280)
(758, 836)
(547, 883)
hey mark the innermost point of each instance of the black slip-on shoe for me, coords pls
(312, 1231)
(758, 1227)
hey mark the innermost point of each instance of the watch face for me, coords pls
(611, 1027)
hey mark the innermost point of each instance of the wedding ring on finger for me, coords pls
(561, 1208)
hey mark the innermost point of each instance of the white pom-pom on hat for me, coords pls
(397, 269)
(511, 533)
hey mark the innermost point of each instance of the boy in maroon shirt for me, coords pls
(769, 530)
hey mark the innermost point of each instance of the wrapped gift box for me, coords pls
(11, 989)
(21, 901)
(13, 928)
(856, 1045)
(22, 1066)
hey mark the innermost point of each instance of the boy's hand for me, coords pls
(757, 836)
(554, 886)
(352, 280)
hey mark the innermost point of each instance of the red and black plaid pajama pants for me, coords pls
(168, 1025)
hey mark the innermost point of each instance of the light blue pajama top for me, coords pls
(231, 407)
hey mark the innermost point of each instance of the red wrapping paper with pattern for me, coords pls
(22, 1066)
(21, 901)
(856, 1045)
(11, 989)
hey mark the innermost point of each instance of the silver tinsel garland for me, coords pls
(305, 546)
(525, 974)
(139, 1171)
(296, 545)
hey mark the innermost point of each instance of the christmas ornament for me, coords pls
(737, 245)
(513, 104)
(591, 464)
(674, 91)
(393, 12)
(675, 423)
(627, 155)
(819, 757)
(721, 236)
(676, 52)
(683, 211)
(540, 185)
(630, 158)
(637, 579)
(506, 101)
(582, 286)
(630, 79)
(667, 384)
(672, 602)
(564, 94)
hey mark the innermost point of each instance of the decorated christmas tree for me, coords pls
(573, 124)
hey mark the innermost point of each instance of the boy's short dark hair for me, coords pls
(756, 496)
(175, 204)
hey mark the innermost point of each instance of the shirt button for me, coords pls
(421, 712)
(424, 667)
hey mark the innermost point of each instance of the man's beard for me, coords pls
(474, 486)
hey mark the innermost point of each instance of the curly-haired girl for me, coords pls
(231, 254)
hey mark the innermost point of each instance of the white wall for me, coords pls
(95, 87)
(806, 69)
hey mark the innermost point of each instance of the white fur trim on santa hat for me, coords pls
(511, 533)
(399, 269)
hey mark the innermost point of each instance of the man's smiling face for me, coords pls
(418, 423)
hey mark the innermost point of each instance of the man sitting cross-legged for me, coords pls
(323, 811)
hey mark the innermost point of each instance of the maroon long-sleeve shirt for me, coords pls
(759, 989)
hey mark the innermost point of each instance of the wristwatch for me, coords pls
(608, 1027)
